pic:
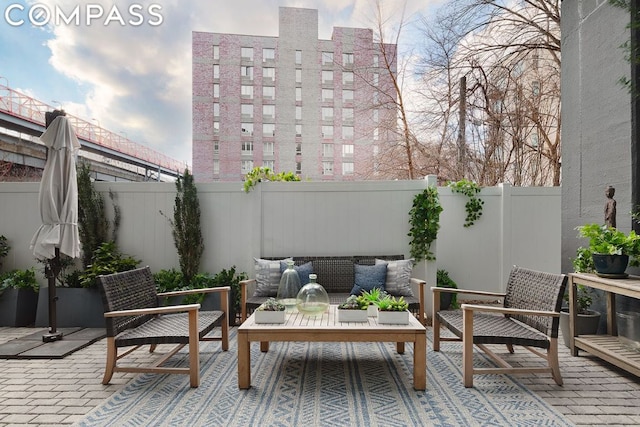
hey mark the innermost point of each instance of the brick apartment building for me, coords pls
(294, 103)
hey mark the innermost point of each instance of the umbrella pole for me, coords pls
(52, 270)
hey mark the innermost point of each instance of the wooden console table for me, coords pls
(607, 347)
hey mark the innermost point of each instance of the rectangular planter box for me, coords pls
(18, 307)
(81, 307)
(352, 315)
(263, 316)
(393, 317)
(372, 310)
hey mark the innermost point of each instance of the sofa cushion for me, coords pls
(398, 280)
(368, 277)
(303, 270)
(267, 276)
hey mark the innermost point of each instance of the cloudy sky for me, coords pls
(135, 79)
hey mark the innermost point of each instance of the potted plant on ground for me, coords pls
(18, 298)
(610, 249)
(354, 309)
(271, 311)
(392, 310)
(587, 321)
(447, 299)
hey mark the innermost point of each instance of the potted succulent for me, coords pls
(18, 298)
(271, 311)
(354, 309)
(610, 249)
(392, 310)
(370, 299)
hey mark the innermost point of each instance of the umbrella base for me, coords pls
(52, 336)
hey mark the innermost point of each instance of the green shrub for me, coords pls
(19, 279)
(107, 259)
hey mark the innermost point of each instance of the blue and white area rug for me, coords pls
(325, 384)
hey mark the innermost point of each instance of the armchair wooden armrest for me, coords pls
(417, 286)
(245, 285)
(220, 289)
(154, 310)
(505, 310)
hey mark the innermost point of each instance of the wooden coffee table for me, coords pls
(326, 328)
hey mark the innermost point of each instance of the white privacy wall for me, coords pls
(518, 226)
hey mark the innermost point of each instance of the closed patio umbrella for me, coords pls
(58, 203)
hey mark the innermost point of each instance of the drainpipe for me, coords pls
(635, 110)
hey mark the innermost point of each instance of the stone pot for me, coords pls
(18, 307)
(606, 264)
(586, 324)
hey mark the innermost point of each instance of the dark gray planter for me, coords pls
(81, 307)
(18, 307)
(610, 264)
(586, 324)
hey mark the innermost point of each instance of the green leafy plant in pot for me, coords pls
(610, 249)
(447, 299)
(587, 320)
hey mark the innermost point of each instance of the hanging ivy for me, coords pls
(263, 173)
(424, 219)
(473, 205)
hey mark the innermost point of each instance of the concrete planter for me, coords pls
(80, 307)
(352, 315)
(393, 317)
(587, 324)
(18, 307)
(264, 316)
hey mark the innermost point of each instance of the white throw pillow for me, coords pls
(398, 276)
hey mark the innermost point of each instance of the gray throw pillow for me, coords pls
(267, 276)
(398, 280)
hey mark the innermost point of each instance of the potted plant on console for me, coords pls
(610, 250)
(271, 311)
(392, 310)
(354, 309)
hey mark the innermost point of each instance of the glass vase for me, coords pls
(289, 287)
(312, 299)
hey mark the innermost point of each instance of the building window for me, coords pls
(268, 129)
(327, 95)
(216, 167)
(216, 90)
(298, 113)
(298, 75)
(246, 53)
(298, 57)
(535, 140)
(327, 58)
(347, 168)
(216, 109)
(376, 61)
(298, 94)
(347, 114)
(246, 166)
(216, 52)
(269, 73)
(327, 77)
(535, 87)
(268, 111)
(299, 168)
(347, 150)
(347, 77)
(246, 92)
(246, 110)
(216, 147)
(247, 129)
(327, 168)
(376, 116)
(216, 128)
(327, 150)
(376, 134)
(347, 59)
(327, 131)
(268, 54)
(327, 113)
(216, 71)
(347, 132)
(267, 148)
(247, 148)
(376, 78)
(246, 72)
(376, 98)
(298, 148)
(347, 96)
(268, 164)
(268, 92)
(298, 130)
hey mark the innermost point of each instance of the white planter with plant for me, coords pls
(352, 310)
(392, 311)
(271, 311)
(370, 299)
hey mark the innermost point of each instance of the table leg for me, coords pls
(264, 346)
(244, 361)
(420, 362)
(400, 347)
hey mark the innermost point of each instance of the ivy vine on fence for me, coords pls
(424, 218)
(474, 204)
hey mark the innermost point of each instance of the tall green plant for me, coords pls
(185, 226)
(424, 219)
(93, 225)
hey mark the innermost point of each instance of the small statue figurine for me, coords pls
(610, 207)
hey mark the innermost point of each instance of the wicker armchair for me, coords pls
(134, 318)
(529, 317)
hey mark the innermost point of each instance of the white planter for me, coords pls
(264, 316)
(372, 310)
(393, 317)
(352, 315)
